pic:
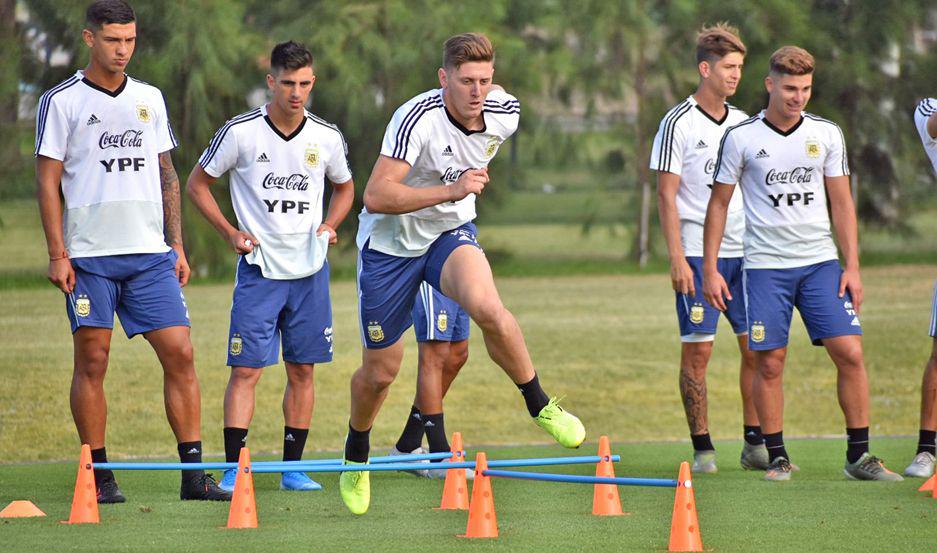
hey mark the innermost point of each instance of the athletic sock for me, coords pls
(234, 439)
(857, 443)
(925, 442)
(100, 456)
(294, 441)
(412, 436)
(435, 428)
(357, 445)
(190, 452)
(702, 442)
(753, 435)
(775, 444)
(534, 396)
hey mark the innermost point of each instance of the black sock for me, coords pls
(100, 456)
(753, 435)
(857, 443)
(357, 445)
(925, 442)
(534, 396)
(412, 436)
(234, 440)
(702, 442)
(775, 444)
(294, 441)
(435, 428)
(190, 452)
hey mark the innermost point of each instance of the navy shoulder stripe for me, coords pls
(666, 144)
(722, 142)
(43, 112)
(139, 81)
(219, 136)
(845, 163)
(409, 122)
(324, 123)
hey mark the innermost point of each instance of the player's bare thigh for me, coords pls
(466, 278)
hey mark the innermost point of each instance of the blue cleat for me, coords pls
(298, 482)
(227, 481)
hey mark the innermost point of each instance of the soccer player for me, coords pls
(278, 157)
(789, 163)
(925, 118)
(684, 155)
(417, 225)
(105, 138)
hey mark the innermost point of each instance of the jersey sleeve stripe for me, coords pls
(927, 108)
(845, 162)
(403, 124)
(219, 136)
(506, 104)
(323, 122)
(406, 139)
(43, 112)
(664, 160)
(501, 111)
(722, 142)
(409, 121)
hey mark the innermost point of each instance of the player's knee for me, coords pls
(179, 362)
(379, 376)
(771, 369)
(491, 316)
(300, 375)
(244, 377)
(92, 362)
(457, 360)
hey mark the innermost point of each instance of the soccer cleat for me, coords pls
(870, 467)
(440, 474)
(704, 462)
(228, 479)
(779, 470)
(108, 492)
(565, 428)
(356, 489)
(202, 487)
(754, 457)
(298, 482)
(922, 466)
(418, 451)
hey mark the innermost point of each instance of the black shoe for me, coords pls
(108, 492)
(202, 488)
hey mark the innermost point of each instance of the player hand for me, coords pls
(716, 291)
(333, 236)
(472, 181)
(182, 266)
(851, 281)
(62, 274)
(681, 276)
(242, 242)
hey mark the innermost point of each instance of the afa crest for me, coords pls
(375, 332)
(311, 156)
(442, 321)
(696, 313)
(758, 332)
(237, 345)
(491, 148)
(813, 148)
(143, 113)
(82, 306)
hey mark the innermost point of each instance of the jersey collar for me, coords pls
(458, 125)
(719, 122)
(788, 132)
(111, 93)
(274, 128)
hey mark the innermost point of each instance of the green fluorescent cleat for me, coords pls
(565, 428)
(356, 489)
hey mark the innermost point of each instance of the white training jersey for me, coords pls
(439, 149)
(782, 176)
(687, 144)
(924, 111)
(109, 144)
(277, 186)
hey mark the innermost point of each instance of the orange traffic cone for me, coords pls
(684, 528)
(21, 509)
(482, 522)
(605, 500)
(243, 512)
(930, 486)
(455, 491)
(85, 500)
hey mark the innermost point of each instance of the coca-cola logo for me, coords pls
(710, 167)
(128, 139)
(451, 175)
(797, 175)
(296, 181)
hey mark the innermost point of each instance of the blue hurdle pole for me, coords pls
(575, 479)
(293, 465)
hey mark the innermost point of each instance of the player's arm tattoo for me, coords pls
(693, 392)
(172, 203)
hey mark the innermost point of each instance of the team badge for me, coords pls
(143, 113)
(442, 321)
(237, 345)
(311, 157)
(491, 148)
(813, 148)
(696, 313)
(82, 306)
(758, 332)
(375, 332)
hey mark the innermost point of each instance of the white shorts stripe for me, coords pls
(933, 312)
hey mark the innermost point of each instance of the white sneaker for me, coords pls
(440, 474)
(922, 466)
(423, 473)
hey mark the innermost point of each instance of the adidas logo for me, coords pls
(855, 321)
(700, 145)
(761, 154)
(447, 151)
(192, 451)
(262, 158)
(93, 120)
(428, 424)
(289, 438)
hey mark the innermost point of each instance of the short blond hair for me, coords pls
(791, 60)
(467, 47)
(716, 42)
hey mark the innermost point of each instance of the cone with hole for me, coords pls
(605, 500)
(930, 486)
(85, 501)
(243, 512)
(21, 509)
(455, 491)
(482, 522)
(684, 528)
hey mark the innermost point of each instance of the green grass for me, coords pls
(819, 510)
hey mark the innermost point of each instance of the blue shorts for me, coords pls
(696, 316)
(438, 318)
(141, 288)
(772, 294)
(264, 311)
(388, 285)
(933, 314)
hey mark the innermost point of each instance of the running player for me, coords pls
(922, 466)
(278, 156)
(789, 163)
(105, 138)
(684, 155)
(417, 225)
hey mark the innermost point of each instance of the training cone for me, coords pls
(930, 485)
(85, 500)
(243, 512)
(684, 529)
(455, 491)
(605, 500)
(21, 509)
(482, 522)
